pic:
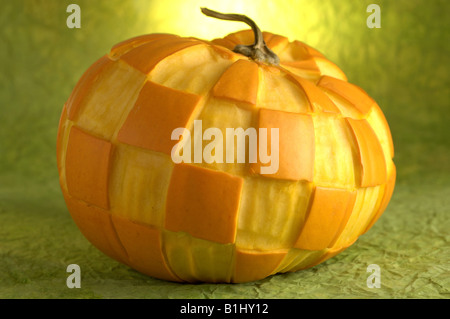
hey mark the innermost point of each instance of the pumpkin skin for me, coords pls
(221, 222)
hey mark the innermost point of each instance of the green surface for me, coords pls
(404, 66)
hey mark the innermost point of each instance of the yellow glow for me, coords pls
(296, 20)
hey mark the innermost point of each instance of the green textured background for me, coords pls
(404, 66)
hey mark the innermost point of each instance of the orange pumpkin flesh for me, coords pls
(221, 222)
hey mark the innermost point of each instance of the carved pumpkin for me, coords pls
(221, 222)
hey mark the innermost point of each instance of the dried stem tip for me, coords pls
(257, 51)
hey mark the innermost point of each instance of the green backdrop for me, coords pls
(403, 65)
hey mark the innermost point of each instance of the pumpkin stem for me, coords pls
(257, 51)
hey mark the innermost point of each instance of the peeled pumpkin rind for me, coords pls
(296, 146)
(327, 216)
(221, 222)
(318, 100)
(199, 199)
(145, 57)
(96, 225)
(239, 83)
(143, 248)
(150, 123)
(353, 94)
(373, 165)
(255, 265)
(123, 47)
(87, 167)
(84, 86)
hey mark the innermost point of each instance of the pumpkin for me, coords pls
(213, 221)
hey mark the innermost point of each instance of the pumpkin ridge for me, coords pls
(125, 46)
(145, 57)
(206, 61)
